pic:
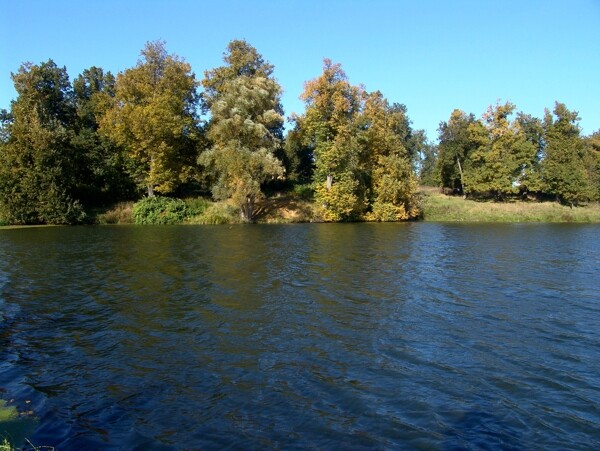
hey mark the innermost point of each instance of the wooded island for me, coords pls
(164, 142)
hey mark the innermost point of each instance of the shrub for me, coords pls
(305, 191)
(196, 205)
(160, 210)
(217, 214)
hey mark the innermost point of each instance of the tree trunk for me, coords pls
(329, 182)
(462, 184)
(247, 209)
(150, 190)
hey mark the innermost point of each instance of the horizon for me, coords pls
(431, 57)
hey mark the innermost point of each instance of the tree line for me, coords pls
(155, 129)
(503, 155)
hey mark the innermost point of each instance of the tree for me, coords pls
(503, 158)
(455, 146)
(154, 118)
(530, 179)
(245, 129)
(103, 176)
(386, 162)
(38, 164)
(428, 175)
(298, 157)
(591, 162)
(563, 171)
(329, 128)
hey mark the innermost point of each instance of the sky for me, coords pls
(432, 56)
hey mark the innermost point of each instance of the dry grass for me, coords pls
(121, 213)
(284, 208)
(439, 207)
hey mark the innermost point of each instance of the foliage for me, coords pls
(38, 164)
(591, 161)
(563, 171)
(217, 213)
(428, 175)
(328, 127)
(68, 150)
(160, 210)
(298, 157)
(304, 191)
(102, 176)
(503, 158)
(245, 129)
(387, 162)
(153, 117)
(456, 143)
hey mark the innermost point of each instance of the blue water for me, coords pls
(349, 336)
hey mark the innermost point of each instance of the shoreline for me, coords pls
(436, 207)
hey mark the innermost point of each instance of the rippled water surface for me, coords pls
(350, 336)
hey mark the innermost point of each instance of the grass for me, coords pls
(439, 207)
(121, 213)
(216, 213)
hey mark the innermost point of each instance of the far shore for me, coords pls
(288, 208)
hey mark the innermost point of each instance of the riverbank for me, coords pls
(439, 207)
(293, 207)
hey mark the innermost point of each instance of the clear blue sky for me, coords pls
(433, 56)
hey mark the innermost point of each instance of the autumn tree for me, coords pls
(563, 171)
(154, 118)
(386, 162)
(245, 129)
(38, 163)
(329, 128)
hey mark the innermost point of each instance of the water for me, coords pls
(349, 336)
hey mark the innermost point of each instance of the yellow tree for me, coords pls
(329, 127)
(387, 162)
(153, 117)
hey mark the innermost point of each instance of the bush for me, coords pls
(305, 191)
(217, 214)
(160, 210)
(196, 205)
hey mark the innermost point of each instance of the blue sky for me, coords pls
(433, 56)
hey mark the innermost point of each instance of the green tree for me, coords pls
(503, 158)
(456, 144)
(38, 165)
(563, 171)
(154, 118)
(591, 162)
(531, 178)
(298, 157)
(102, 177)
(428, 175)
(329, 128)
(245, 129)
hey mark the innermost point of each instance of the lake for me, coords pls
(320, 336)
